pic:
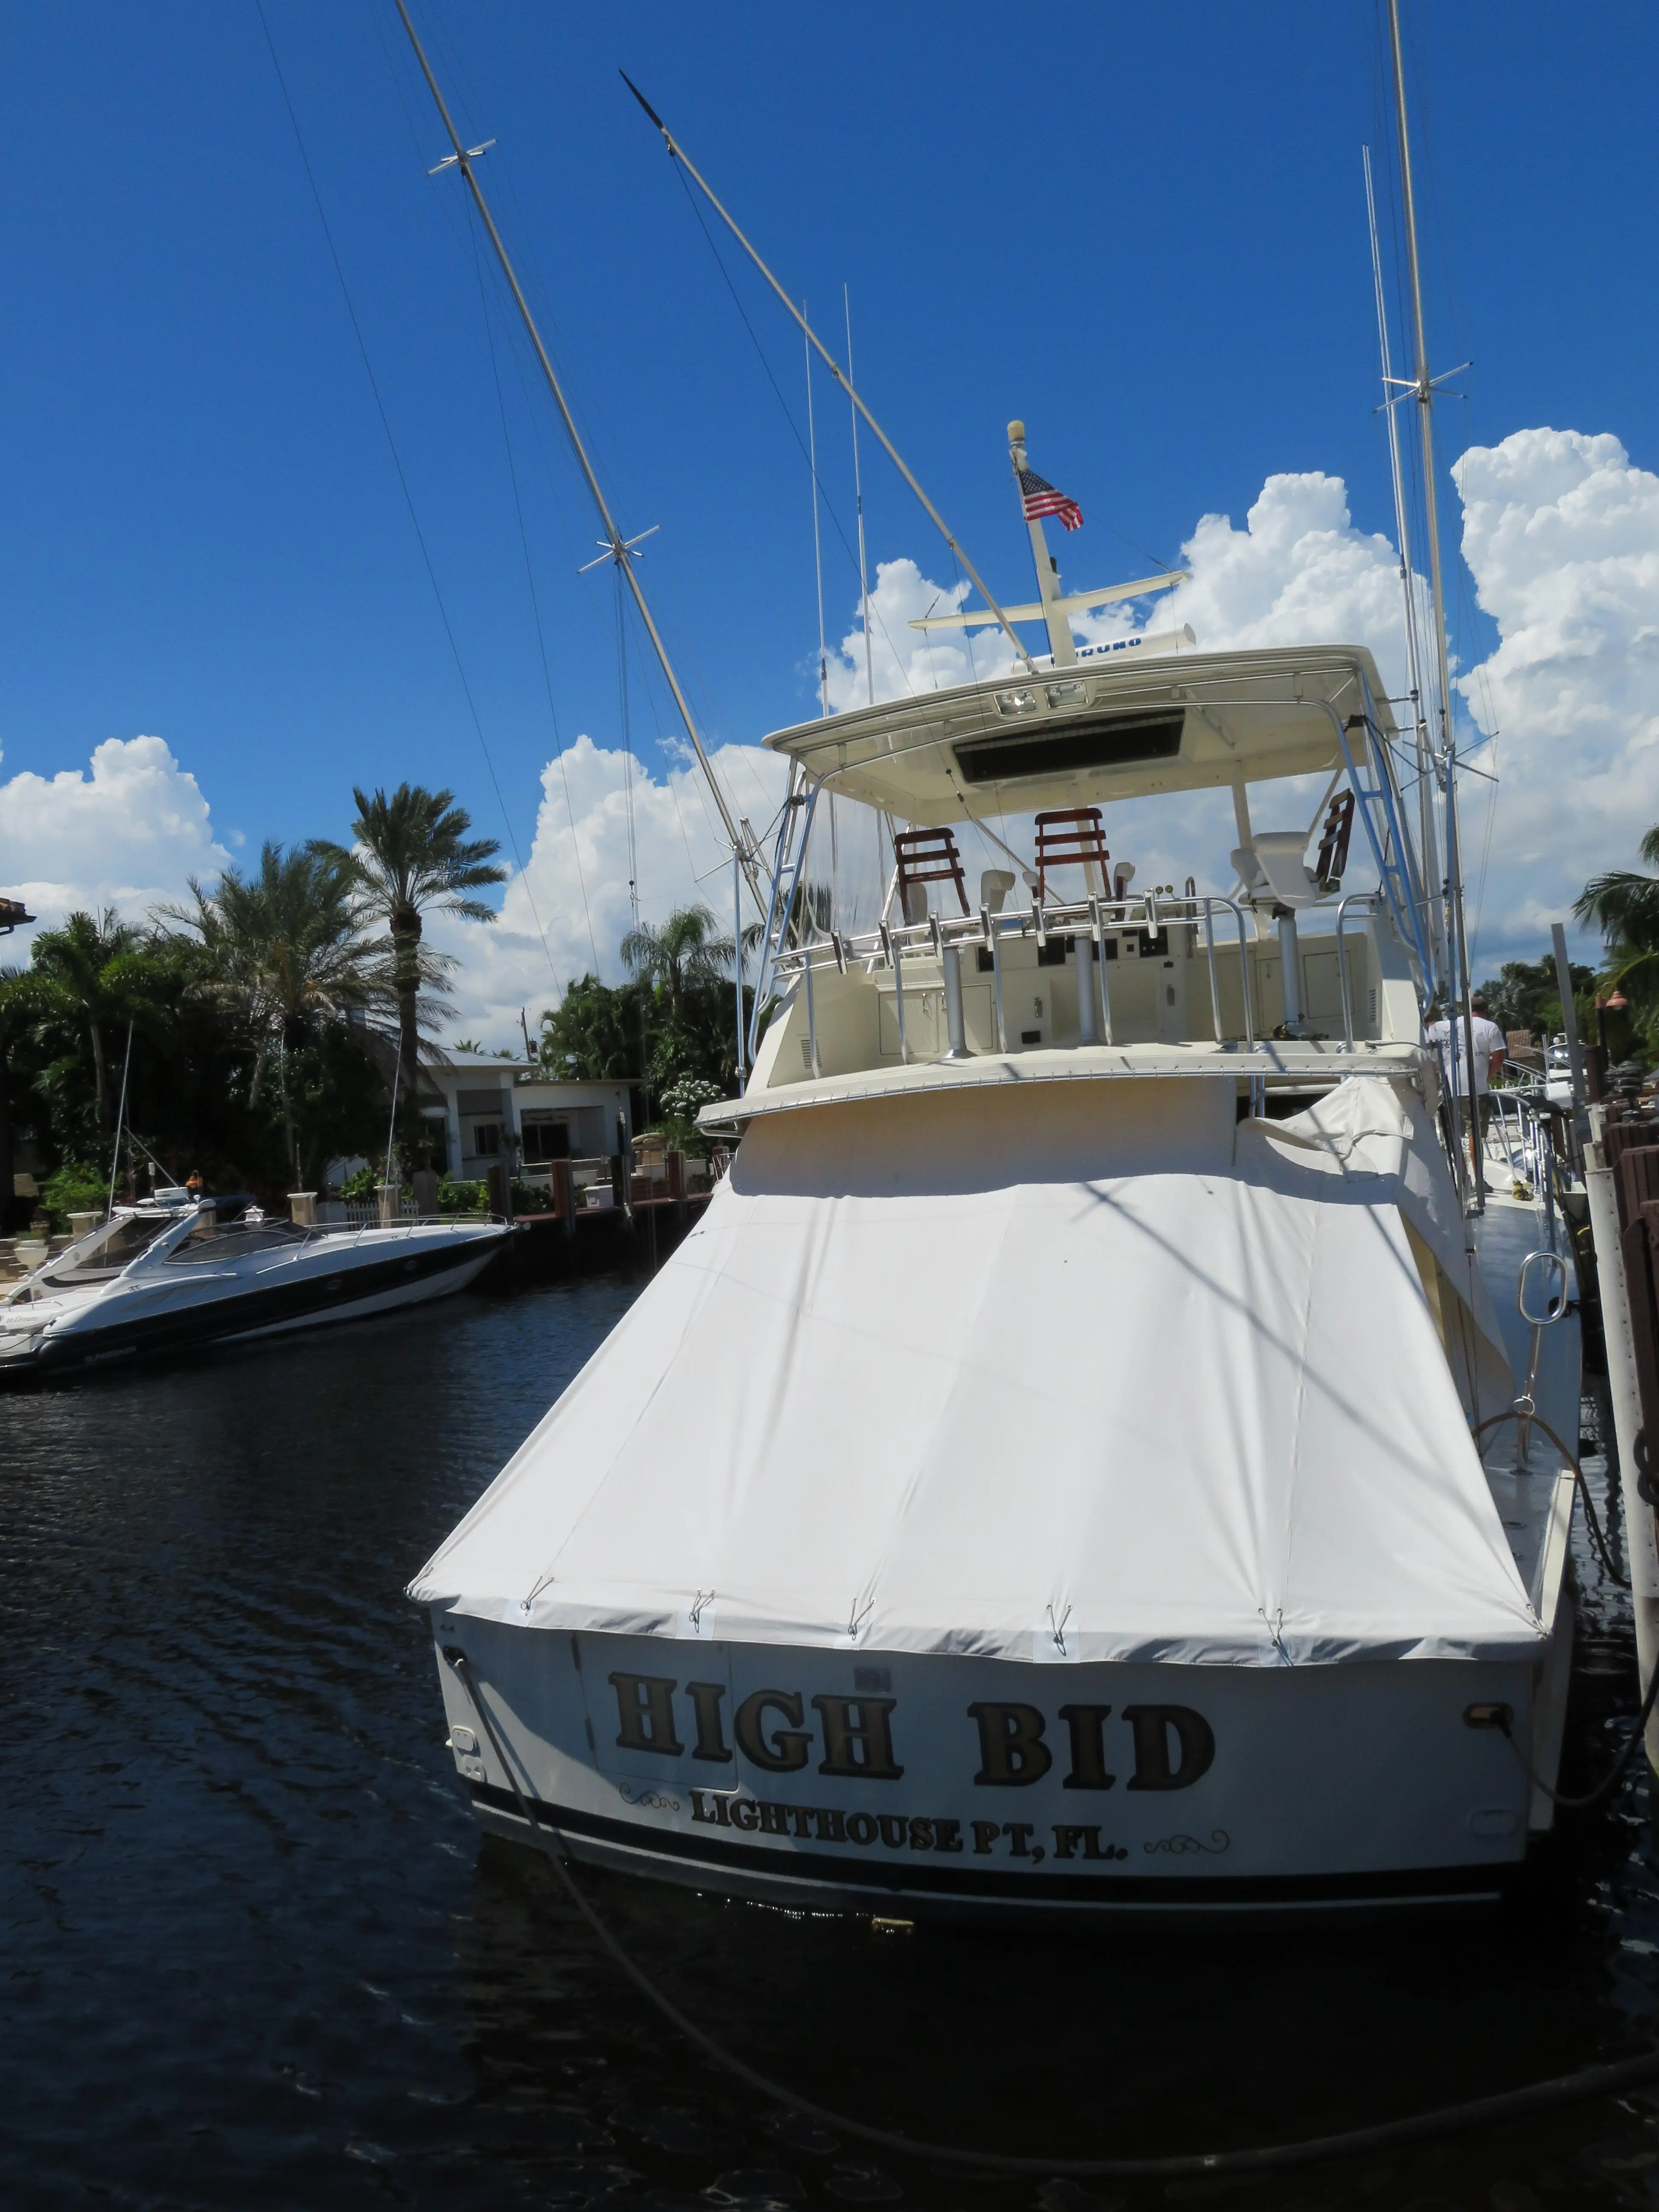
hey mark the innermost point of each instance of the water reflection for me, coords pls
(257, 1953)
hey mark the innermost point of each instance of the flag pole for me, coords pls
(1058, 625)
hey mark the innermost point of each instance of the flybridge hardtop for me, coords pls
(1100, 730)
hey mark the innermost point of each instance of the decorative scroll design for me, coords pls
(1182, 1847)
(652, 1801)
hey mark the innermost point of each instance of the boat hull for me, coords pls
(943, 1786)
(157, 1319)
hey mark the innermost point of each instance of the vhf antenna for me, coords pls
(616, 547)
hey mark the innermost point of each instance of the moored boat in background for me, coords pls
(167, 1275)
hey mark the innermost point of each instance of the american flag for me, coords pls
(1041, 498)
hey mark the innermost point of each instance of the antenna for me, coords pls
(1421, 387)
(817, 548)
(678, 154)
(462, 158)
(1425, 786)
(858, 493)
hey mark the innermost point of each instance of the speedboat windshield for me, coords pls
(219, 1243)
(99, 1257)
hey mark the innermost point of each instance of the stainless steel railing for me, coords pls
(889, 947)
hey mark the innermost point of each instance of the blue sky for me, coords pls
(1145, 233)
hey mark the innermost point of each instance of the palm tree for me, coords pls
(679, 952)
(413, 857)
(92, 974)
(281, 950)
(1625, 906)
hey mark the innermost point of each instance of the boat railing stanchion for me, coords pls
(811, 1015)
(1215, 981)
(956, 1021)
(1342, 966)
(987, 922)
(1088, 1023)
(890, 947)
(1097, 965)
(1236, 912)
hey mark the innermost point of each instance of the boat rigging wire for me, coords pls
(120, 1116)
(678, 153)
(1589, 2082)
(392, 1125)
(535, 601)
(830, 505)
(409, 496)
(817, 548)
(462, 158)
(858, 494)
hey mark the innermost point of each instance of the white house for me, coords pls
(493, 1109)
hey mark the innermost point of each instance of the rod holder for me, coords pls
(1088, 1022)
(954, 1019)
(1290, 970)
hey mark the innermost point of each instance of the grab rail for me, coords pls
(1342, 959)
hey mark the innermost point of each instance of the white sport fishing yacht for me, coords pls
(169, 1275)
(1046, 1476)
(1092, 1456)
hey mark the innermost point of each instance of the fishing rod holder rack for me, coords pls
(1086, 923)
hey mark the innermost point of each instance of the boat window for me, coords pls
(211, 1244)
(119, 1249)
(1103, 741)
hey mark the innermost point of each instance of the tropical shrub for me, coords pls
(76, 1188)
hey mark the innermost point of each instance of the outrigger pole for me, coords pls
(1436, 916)
(842, 377)
(1421, 388)
(463, 158)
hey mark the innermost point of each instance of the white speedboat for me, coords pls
(169, 1275)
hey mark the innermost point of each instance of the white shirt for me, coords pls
(1488, 1039)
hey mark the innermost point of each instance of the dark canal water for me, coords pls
(254, 1952)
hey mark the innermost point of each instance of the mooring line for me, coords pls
(1590, 2083)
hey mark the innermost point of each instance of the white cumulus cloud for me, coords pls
(602, 820)
(1561, 536)
(125, 832)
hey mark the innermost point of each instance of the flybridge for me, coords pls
(1130, 729)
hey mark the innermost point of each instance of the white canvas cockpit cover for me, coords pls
(1070, 1371)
